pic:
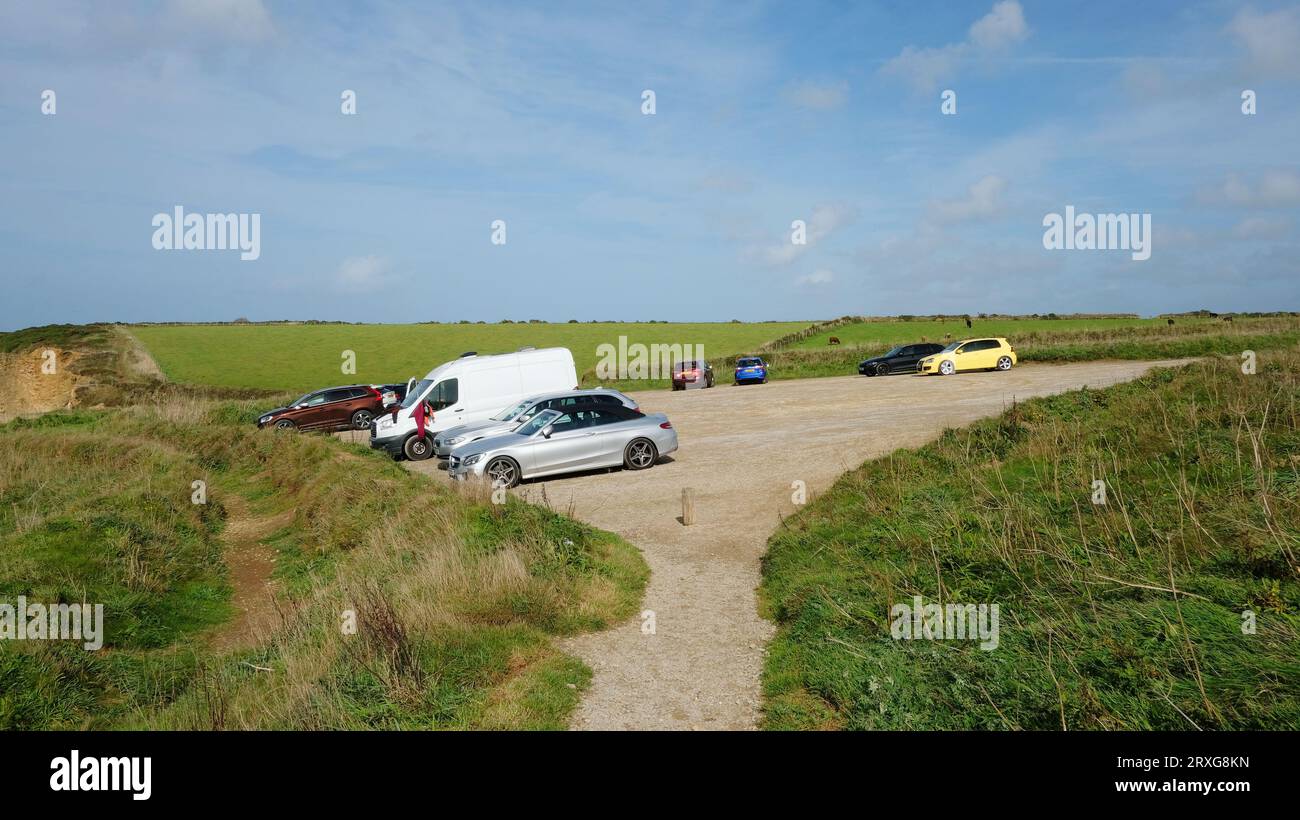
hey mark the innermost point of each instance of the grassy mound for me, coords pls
(1127, 615)
(455, 599)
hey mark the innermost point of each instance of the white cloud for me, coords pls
(982, 200)
(237, 19)
(1278, 188)
(818, 97)
(1271, 39)
(925, 68)
(1001, 27)
(1261, 227)
(824, 220)
(815, 279)
(359, 273)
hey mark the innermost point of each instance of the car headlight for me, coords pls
(930, 360)
(264, 420)
(471, 460)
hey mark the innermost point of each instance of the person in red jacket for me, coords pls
(422, 410)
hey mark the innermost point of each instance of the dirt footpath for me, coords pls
(741, 450)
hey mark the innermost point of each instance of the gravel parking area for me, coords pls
(742, 448)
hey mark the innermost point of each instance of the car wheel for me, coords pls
(284, 424)
(947, 368)
(1004, 363)
(361, 420)
(640, 454)
(882, 369)
(418, 449)
(502, 472)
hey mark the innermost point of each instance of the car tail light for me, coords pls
(667, 425)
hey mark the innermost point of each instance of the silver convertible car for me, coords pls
(582, 437)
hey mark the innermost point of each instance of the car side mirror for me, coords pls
(546, 431)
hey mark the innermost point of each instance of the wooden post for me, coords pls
(688, 506)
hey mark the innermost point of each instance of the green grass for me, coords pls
(305, 357)
(302, 357)
(886, 334)
(1201, 465)
(457, 599)
(1150, 340)
(58, 336)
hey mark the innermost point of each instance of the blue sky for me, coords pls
(531, 113)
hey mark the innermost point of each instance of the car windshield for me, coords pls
(537, 422)
(893, 352)
(413, 395)
(749, 363)
(510, 412)
(950, 348)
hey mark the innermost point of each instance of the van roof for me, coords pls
(466, 362)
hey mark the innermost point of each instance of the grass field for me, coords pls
(886, 334)
(1149, 340)
(456, 599)
(305, 357)
(1126, 615)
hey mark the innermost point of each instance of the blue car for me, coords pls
(751, 369)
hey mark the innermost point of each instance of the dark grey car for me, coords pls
(901, 359)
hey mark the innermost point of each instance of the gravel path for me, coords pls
(742, 448)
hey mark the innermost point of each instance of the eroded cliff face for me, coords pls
(109, 368)
(38, 381)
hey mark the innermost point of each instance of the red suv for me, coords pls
(334, 408)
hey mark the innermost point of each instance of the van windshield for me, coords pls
(413, 395)
(509, 413)
(442, 395)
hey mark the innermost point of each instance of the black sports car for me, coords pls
(901, 359)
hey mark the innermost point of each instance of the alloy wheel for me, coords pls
(640, 454)
(502, 473)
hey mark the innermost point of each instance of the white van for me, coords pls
(470, 389)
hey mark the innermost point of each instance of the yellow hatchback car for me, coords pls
(970, 354)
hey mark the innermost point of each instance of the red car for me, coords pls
(692, 374)
(335, 408)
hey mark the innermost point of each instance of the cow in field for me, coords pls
(834, 340)
(1170, 321)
